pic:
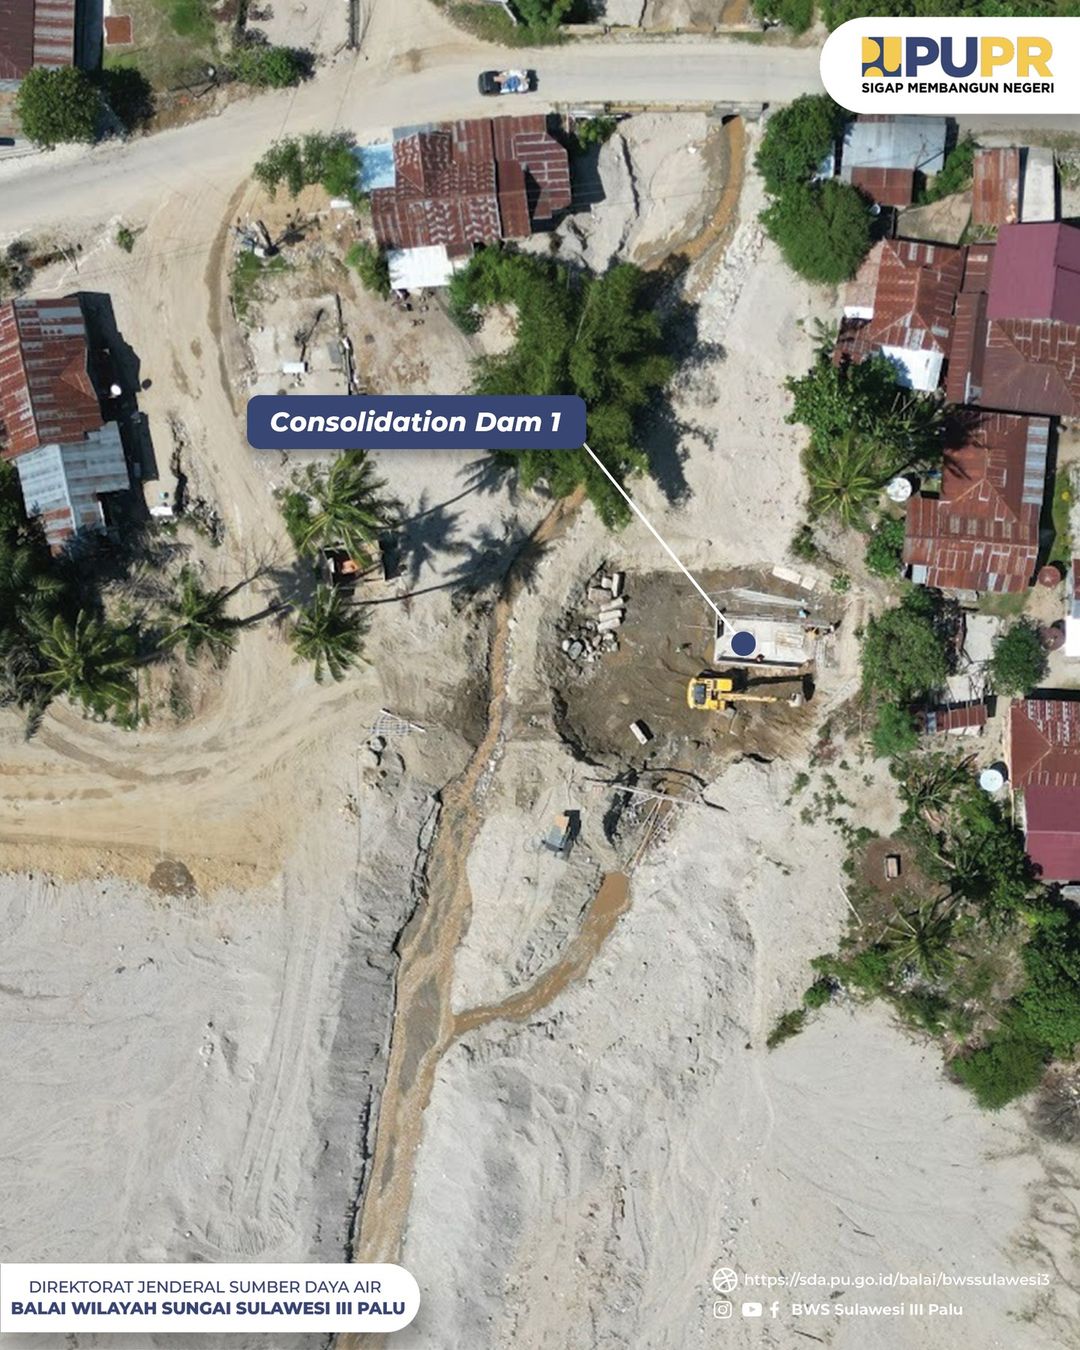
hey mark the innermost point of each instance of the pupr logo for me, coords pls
(881, 57)
(958, 57)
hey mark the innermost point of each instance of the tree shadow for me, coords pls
(431, 531)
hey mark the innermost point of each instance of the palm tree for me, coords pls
(922, 937)
(199, 619)
(845, 479)
(344, 506)
(930, 785)
(329, 632)
(90, 661)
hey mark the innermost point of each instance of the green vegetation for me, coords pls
(15, 270)
(787, 1025)
(894, 733)
(1019, 660)
(91, 661)
(371, 267)
(270, 67)
(797, 139)
(492, 24)
(340, 506)
(323, 158)
(885, 548)
(956, 174)
(822, 229)
(190, 19)
(598, 337)
(905, 651)
(198, 621)
(329, 632)
(864, 429)
(175, 42)
(125, 238)
(836, 12)
(594, 131)
(56, 107)
(796, 15)
(1005, 1068)
(248, 275)
(1061, 551)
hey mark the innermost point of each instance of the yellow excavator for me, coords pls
(708, 692)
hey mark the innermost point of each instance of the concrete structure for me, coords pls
(982, 532)
(1072, 611)
(51, 426)
(1043, 752)
(1038, 185)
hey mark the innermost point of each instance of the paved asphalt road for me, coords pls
(74, 185)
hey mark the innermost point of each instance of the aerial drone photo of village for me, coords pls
(632, 888)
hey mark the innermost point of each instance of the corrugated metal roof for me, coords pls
(1044, 743)
(40, 33)
(470, 182)
(982, 533)
(958, 717)
(45, 390)
(1052, 831)
(880, 142)
(995, 195)
(1036, 273)
(890, 187)
(63, 484)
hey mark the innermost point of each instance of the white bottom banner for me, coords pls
(197, 1297)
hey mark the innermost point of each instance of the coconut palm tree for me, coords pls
(929, 786)
(922, 937)
(89, 660)
(844, 479)
(330, 632)
(338, 507)
(198, 619)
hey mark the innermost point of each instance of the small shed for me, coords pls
(907, 142)
(1038, 184)
(995, 188)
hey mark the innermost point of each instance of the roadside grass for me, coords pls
(175, 40)
(1062, 548)
(491, 23)
(249, 274)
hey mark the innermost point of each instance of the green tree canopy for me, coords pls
(598, 337)
(321, 157)
(1018, 663)
(797, 139)
(197, 619)
(371, 267)
(90, 661)
(904, 653)
(270, 67)
(55, 107)
(340, 506)
(822, 229)
(885, 548)
(329, 632)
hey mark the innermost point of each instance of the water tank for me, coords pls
(991, 780)
(899, 489)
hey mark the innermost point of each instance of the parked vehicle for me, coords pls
(507, 81)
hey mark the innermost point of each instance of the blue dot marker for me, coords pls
(743, 643)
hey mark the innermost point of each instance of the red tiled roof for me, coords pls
(1044, 743)
(470, 182)
(890, 187)
(914, 295)
(45, 391)
(1036, 273)
(982, 533)
(995, 193)
(1052, 831)
(35, 33)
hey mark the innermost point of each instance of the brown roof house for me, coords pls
(982, 532)
(1016, 343)
(901, 306)
(446, 188)
(51, 426)
(1043, 753)
(35, 33)
(881, 155)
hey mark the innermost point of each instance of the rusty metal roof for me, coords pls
(1052, 831)
(995, 189)
(470, 182)
(954, 717)
(35, 33)
(890, 187)
(46, 395)
(982, 533)
(915, 290)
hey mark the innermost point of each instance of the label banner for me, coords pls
(198, 1297)
(954, 66)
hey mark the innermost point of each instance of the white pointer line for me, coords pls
(653, 531)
